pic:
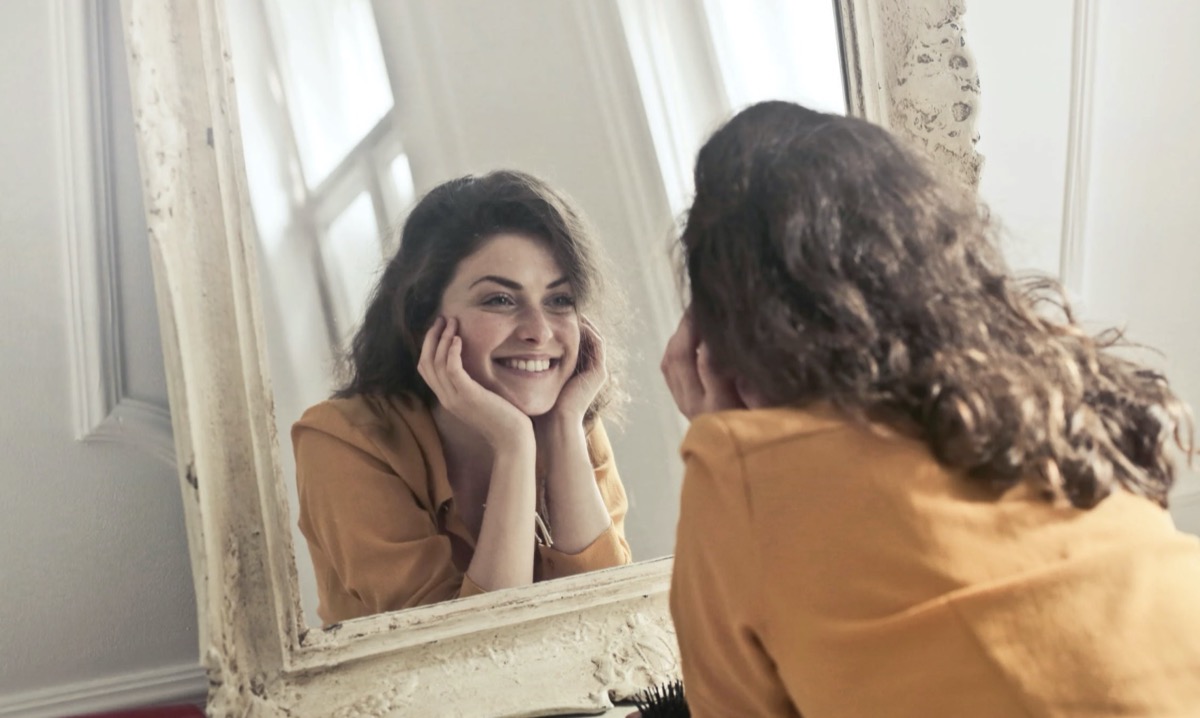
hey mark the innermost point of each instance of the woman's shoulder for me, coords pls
(747, 431)
(363, 413)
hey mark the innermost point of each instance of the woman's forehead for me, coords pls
(525, 260)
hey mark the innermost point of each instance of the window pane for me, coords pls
(336, 82)
(353, 258)
(402, 179)
(779, 50)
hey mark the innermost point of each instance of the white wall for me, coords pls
(1139, 164)
(96, 597)
(1142, 258)
(1023, 124)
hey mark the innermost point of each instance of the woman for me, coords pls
(466, 453)
(909, 491)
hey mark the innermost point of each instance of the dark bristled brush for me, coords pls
(664, 701)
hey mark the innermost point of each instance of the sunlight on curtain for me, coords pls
(337, 84)
(778, 49)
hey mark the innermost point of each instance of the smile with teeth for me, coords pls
(532, 366)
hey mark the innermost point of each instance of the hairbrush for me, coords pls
(663, 701)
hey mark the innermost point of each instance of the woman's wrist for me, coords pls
(559, 423)
(517, 436)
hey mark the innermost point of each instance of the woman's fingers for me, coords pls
(443, 346)
(693, 378)
(680, 370)
(428, 350)
(591, 353)
(435, 357)
(455, 373)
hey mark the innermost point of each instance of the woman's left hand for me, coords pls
(591, 374)
(691, 377)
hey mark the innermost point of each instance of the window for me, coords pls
(326, 168)
(699, 61)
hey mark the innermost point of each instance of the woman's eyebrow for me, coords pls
(502, 281)
(515, 286)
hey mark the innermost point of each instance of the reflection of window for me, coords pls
(778, 49)
(350, 251)
(333, 74)
(326, 168)
(699, 61)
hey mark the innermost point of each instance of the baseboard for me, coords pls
(186, 683)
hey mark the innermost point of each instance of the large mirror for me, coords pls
(280, 142)
(348, 110)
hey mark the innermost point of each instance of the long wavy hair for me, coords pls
(827, 262)
(451, 222)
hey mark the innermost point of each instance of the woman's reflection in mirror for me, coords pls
(912, 487)
(466, 450)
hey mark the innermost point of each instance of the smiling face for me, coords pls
(517, 319)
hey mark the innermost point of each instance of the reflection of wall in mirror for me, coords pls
(608, 101)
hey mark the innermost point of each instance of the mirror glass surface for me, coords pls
(351, 109)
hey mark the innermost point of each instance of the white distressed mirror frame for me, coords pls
(570, 646)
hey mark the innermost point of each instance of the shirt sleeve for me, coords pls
(715, 585)
(380, 547)
(610, 548)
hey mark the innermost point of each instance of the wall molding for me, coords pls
(183, 683)
(102, 411)
(1079, 148)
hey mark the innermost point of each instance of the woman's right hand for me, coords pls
(494, 417)
(695, 384)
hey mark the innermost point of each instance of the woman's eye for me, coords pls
(499, 300)
(562, 301)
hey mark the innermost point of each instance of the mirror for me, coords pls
(570, 645)
(349, 110)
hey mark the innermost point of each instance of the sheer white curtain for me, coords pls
(699, 61)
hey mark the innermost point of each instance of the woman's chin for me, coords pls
(535, 409)
(532, 406)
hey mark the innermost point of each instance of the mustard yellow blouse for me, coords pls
(378, 512)
(827, 570)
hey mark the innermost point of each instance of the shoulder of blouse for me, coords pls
(398, 431)
(747, 431)
(366, 414)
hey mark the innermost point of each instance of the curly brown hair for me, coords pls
(827, 262)
(451, 222)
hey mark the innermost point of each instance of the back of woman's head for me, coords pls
(451, 222)
(828, 263)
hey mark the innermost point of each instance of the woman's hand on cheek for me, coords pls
(691, 377)
(591, 373)
(441, 367)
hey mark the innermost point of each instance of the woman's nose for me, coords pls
(534, 327)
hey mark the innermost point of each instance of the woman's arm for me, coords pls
(578, 513)
(504, 549)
